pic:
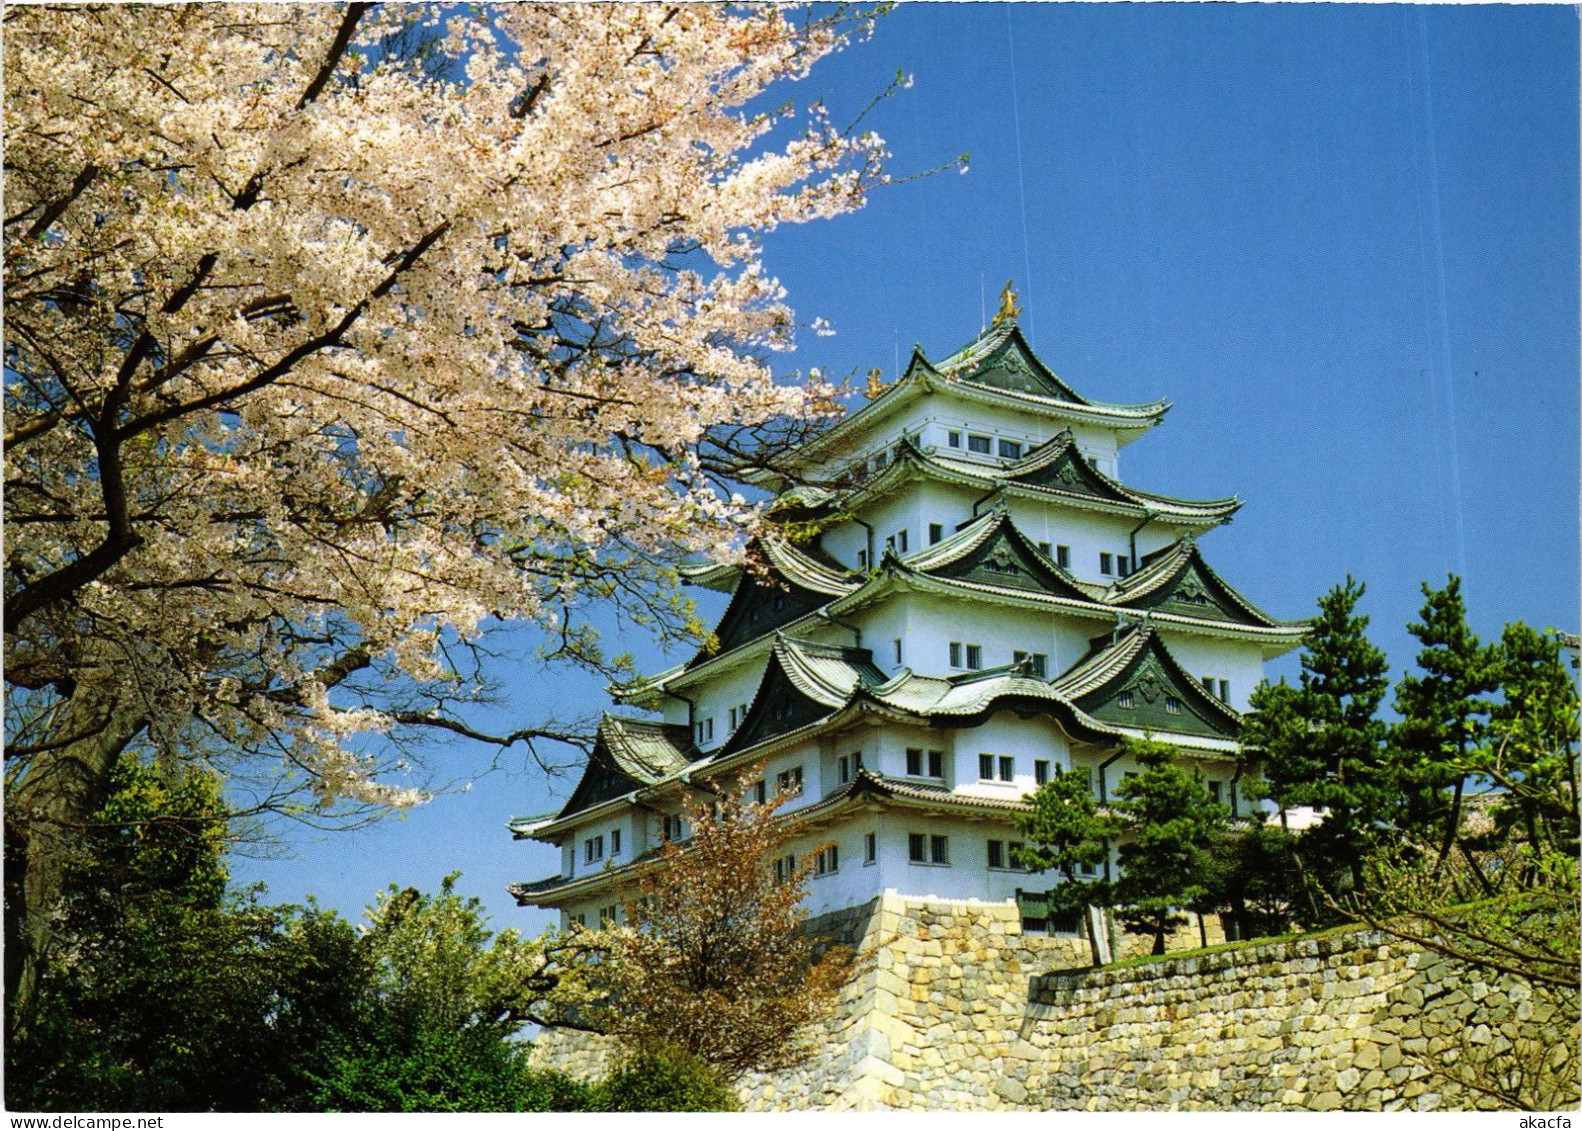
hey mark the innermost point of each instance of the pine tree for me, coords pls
(1321, 744)
(1171, 821)
(1533, 736)
(1066, 832)
(1444, 713)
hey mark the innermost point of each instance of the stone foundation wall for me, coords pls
(956, 1009)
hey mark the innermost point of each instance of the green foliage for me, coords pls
(1321, 744)
(444, 1070)
(1253, 877)
(1171, 820)
(1065, 831)
(664, 1080)
(166, 992)
(1444, 713)
(152, 964)
(1533, 733)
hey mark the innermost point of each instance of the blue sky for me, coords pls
(1342, 240)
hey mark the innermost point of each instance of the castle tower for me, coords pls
(987, 603)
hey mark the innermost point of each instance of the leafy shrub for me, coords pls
(669, 1080)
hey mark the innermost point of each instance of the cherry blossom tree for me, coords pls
(324, 349)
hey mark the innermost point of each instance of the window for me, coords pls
(705, 730)
(1013, 852)
(996, 854)
(607, 915)
(900, 540)
(1123, 565)
(985, 767)
(761, 791)
(827, 861)
(898, 649)
(870, 848)
(1063, 557)
(921, 849)
(1124, 699)
(733, 718)
(674, 828)
(1214, 791)
(862, 559)
(1085, 869)
(580, 919)
(1172, 705)
(914, 761)
(1224, 690)
(844, 764)
(1037, 662)
(1065, 922)
(917, 768)
(1040, 770)
(1106, 564)
(789, 781)
(615, 842)
(979, 444)
(974, 656)
(593, 849)
(936, 531)
(953, 439)
(1007, 768)
(1010, 449)
(785, 869)
(955, 653)
(936, 763)
(889, 542)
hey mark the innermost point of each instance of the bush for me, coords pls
(671, 1080)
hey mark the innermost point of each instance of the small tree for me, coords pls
(1444, 713)
(1321, 744)
(1171, 820)
(1252, 874)
(1067, 833)
(713, 959)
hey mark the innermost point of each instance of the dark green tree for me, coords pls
(1444, 715)
(1533, 738)
(1253, 878)
(1321, 745)
(664, 1080)
(439, 998)
(1066, 833)
(164, 991)
(1170, 821)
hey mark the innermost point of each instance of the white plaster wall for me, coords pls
(1004, 734)
(930, 623)
(716, 697)
(1238, 662)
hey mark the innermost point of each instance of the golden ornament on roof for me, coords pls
(1008, 308)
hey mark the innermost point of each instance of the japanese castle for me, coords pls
(986, 604)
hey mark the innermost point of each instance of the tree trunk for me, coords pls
(46, 811)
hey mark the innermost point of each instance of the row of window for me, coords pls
(970, 657)
(982, 445)
(593, 847)
(1224, 687)
(703, 729)
(1111, 565)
